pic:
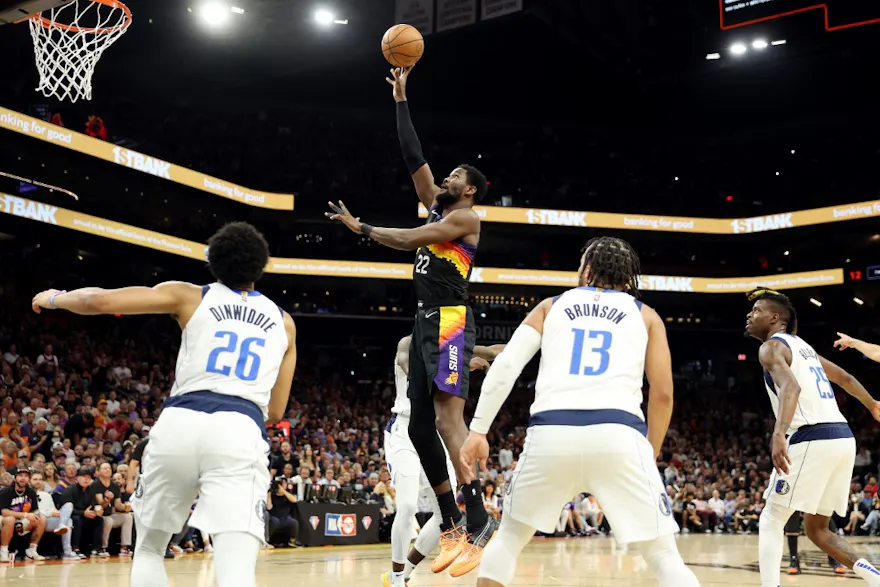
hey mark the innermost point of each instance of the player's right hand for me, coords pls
(398, 78)
(875, 410)
(844, 342)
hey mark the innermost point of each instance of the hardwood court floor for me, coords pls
(582, 562)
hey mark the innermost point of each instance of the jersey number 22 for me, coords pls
(601, 346)
(243, 370)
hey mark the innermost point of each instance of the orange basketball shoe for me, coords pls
(472, 553)
(452, 542)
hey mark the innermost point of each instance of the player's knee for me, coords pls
(773, 518)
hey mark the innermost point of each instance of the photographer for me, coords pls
(279, 503)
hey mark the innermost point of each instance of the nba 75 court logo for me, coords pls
(314, 521)
(366, 521)
(340, 525)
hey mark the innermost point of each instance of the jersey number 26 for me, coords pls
(601, 347)
(244, 369)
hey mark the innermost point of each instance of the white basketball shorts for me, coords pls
(614, 462)
(222, 458)
(403, 460)
(819, 475)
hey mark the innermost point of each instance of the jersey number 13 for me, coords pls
(600, 346)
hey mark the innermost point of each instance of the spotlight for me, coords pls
(858, 301)
(759, 44)
(738, 48)
(816, 302)
(779, 42)
(713, 56)
(324, 17)
(215, 14)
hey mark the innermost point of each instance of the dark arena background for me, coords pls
(733, 144)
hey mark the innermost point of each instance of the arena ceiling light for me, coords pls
(779, 42)
(325, 18)
(713, 56)
(759, 44)
(738, 49)
(858, 301)
(215, 14)
(816, 302)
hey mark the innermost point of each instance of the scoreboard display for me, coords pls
(837, 13)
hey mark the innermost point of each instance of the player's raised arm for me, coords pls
(171, 297)
(281, 390)
(402, 357)
(851, 385)
(775, 357)
(409, 140)
(872, 351)
(658, 370)
(488, 353)
(457, 224)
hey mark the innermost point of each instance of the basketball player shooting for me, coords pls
(234, 372)
(597, 342)
(813, 447)
(443, 334)
(407, 475)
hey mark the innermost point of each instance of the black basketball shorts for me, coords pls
(440, 354)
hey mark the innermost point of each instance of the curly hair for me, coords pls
(612, 263)
(237, 254)
(781, 303)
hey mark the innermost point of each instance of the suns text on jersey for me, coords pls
(594, 311)
(243, 314)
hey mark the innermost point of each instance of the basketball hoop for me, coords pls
(68, 42)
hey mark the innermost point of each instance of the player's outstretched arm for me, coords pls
(457, 224)
(775, 357)
(872, 351)
(170, 297)
(524, 344)
(409, 140)
(402, 357)
(488, 353)
(851, 385)
(658, 370)
(281, 390)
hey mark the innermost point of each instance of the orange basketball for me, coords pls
(402, 45)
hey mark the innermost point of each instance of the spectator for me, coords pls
(86, 519)
(300, 482)
(116, 514)
(11, 356)
(95, 128)
(47, 363)
(19, 506)
(330, 480)
(286, 457)
(279, 504)
(79, 427)
(57, 520)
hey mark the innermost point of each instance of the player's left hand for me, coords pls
(476, 448)
(41, 300)
(342, 214)
(479, 363)
(779, 450)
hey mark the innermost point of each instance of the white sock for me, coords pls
(33, 546)
(866, 571)
(663, 558)
(397, 579)
(4, 549)
(408, 568)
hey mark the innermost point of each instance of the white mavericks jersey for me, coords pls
(233, 345)
(592, 353)
(401, 386)
(816, 403)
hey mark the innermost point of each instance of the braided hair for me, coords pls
(612, 263)
(782, 304)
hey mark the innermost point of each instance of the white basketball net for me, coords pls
(69, 41)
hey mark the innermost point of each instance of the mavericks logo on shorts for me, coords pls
(782, 487)
(261, 510)
(340, 525)
(665, 505)
(139, 492)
